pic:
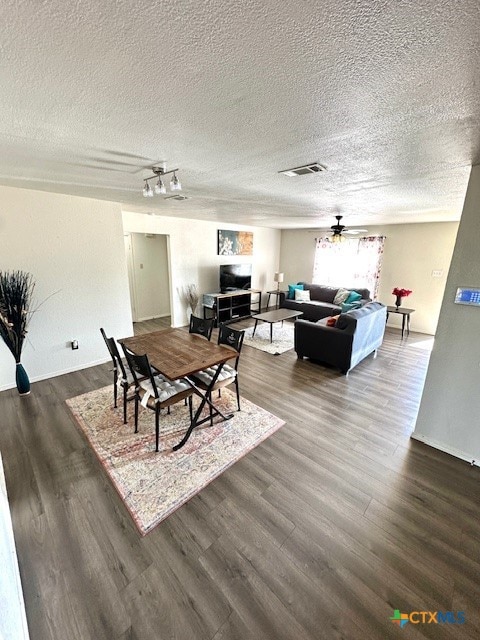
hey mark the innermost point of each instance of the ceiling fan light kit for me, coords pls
(160, 188)
(339, 229)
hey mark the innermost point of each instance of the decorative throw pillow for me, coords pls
(302, 296)
(331, 321)
(348, 306)
(291, 290)
(353, 296)
(341, 296)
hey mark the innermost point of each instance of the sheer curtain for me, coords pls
(354, 263)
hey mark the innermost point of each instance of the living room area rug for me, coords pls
(153, 485)
(283, 337)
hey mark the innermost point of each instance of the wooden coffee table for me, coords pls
(279, 315)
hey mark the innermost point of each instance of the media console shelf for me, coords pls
(231, 306)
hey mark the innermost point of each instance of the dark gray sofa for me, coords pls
(321, 301)
(356, 334)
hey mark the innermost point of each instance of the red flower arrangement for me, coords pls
(401, 292)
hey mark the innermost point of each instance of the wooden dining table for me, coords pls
(175, 353)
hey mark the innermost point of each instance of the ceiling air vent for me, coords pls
(177, 197)
(303, 171)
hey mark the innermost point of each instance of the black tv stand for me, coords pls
(229, 306)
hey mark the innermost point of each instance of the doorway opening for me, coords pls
(148, 275)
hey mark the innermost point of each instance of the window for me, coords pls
(354, 263)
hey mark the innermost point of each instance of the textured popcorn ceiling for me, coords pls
(385, 94)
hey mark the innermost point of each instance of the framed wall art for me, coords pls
(235, 243)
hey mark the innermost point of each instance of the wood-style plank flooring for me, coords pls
(319, 533)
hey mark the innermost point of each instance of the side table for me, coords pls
(405, 313)
(276, 293)
(256, 301)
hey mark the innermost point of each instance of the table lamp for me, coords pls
(278, 278)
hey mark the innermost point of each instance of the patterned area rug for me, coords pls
(282, 337)
(152, 485)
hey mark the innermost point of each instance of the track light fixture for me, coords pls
(159, 187)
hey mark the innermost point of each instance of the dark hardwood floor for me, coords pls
(319, 533)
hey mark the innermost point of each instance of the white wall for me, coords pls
(194, 259)
(448, 418)
(13, 621)
(149, 277)
(74, 248)
(412, 252)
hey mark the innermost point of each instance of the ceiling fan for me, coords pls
(338, 231)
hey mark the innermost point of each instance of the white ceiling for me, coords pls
(385, 94)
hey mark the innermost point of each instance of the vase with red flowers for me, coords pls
(400, 293)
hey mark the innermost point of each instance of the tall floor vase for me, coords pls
(21, 378)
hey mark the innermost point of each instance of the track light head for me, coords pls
(175, 183)
(147, 190)
(159, 186)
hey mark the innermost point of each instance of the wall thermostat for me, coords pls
(467, 295)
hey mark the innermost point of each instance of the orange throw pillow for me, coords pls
(331, 321)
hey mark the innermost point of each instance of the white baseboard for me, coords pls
(164, 315)
(46, 376)
(446, 449)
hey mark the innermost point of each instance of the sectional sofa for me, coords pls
(321, 303)
(355, 335)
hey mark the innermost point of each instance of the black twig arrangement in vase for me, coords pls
(16, 296)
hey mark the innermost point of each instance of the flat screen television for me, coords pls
(235, 276)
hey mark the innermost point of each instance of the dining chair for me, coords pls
(121, 376)
(229, 374)
(202, 326)
(155, 392)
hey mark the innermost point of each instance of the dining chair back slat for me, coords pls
(201, 326)
(231, 337)
(140, 368)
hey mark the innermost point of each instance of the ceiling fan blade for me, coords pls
(355, 232)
